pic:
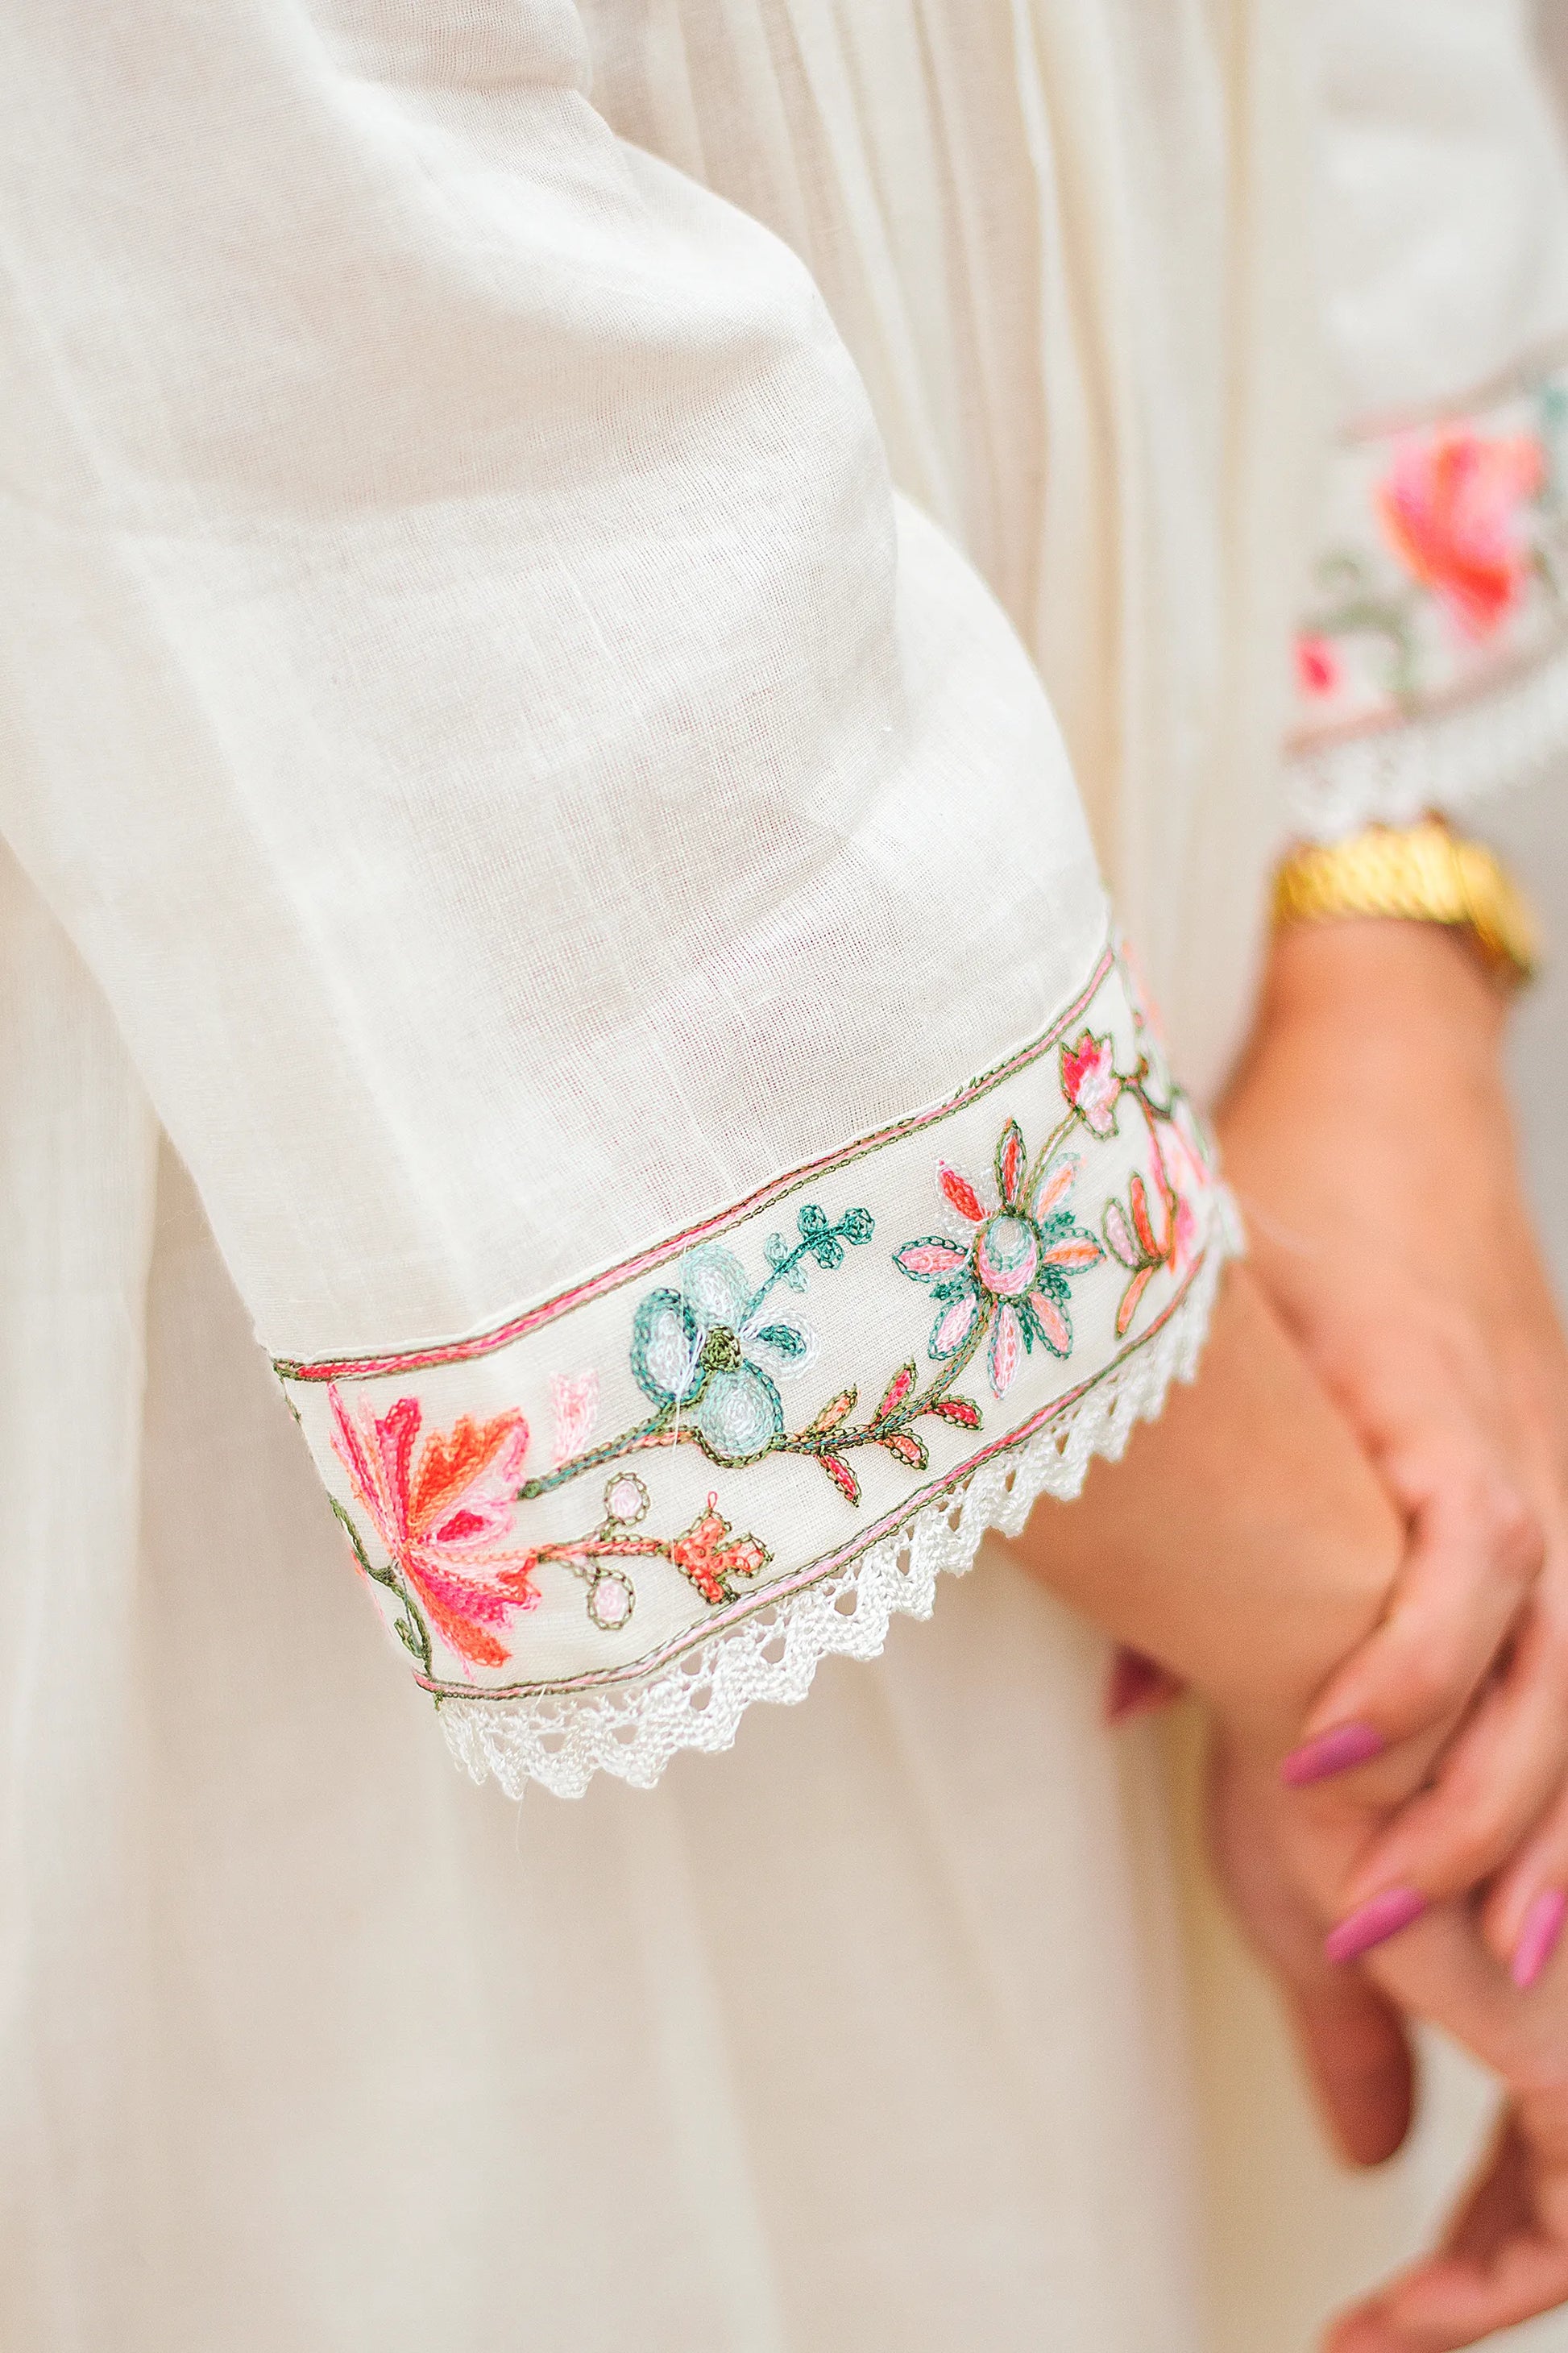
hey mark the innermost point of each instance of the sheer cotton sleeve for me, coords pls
(1432, 658)
(588, 879)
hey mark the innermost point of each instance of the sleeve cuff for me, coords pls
(763, 1437)
(1432, 658)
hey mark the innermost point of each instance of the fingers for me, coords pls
(1525, 1912)
(1503, 2260)
(1475, 1552)
(1357, 2058)
(1498, 1779)
(1350, 2032)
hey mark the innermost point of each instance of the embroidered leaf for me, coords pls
(827, 1250)
(960, 1192)
(962, 1410)
(895, 1393)
(834, 1411)
(812, 1221)
(785, 1338)
(1076, 1249)
(776, 1250)
(935, 1255)
(858, 1225)
(407, 1637)
(908, 1448)
(842, 1476)
(1056, 1183)
(954, 1326)
(1130, 1298)
(1054, 1328)
(1010, 1162)
(1139, 1196)
(1006, 1353)
(1119, 1234)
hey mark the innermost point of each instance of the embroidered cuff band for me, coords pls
(603, 1528)
(1432, 660)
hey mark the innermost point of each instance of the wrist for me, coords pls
(1367, 976)
(1243, 1541)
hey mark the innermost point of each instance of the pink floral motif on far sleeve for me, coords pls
(1453, 507)
(1317, 666)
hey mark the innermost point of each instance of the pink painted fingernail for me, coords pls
(1538, 1937)
(1332, 1752)
(1373, 1923)
(1136, 1685)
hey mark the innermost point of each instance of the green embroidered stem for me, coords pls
(651, 1432)
(410, 1628)
(1042, 1159)
(1378, 617)
(723, 1345)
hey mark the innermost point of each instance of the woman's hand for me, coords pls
(1504, 2257)
(1245, 1541)
(1369, 1137)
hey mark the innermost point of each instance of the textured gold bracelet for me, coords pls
(1417, 873)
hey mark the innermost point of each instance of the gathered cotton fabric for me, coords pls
(534, 536)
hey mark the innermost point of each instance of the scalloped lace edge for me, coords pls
(698, 1701)
(1446, 761)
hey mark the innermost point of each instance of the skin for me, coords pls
(1296, 1559)
(1376, 1163)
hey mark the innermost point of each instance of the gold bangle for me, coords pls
(1417, 873)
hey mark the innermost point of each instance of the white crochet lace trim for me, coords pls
(1446, 761)
(698, 1703)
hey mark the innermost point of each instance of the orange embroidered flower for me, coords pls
(440, 1514)
(1450, 510)
(1179, 1175)
(711, 1556)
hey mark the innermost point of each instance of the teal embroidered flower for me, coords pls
(1011, 1279)
(707, 1353)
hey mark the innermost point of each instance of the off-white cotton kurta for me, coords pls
(507, 748)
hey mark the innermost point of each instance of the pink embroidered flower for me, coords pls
(1318, 668)
(1141, 1244)
(440, 1514)
(1090, 1083)
(1450, 509)
(1010, 1278)
(575, 1397)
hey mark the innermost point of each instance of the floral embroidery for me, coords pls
(693, 1352)
(706, 1358)
(1131, 1233)
(1089, 1082)
(707, 1355)
(1317, 664)
(575, 1397)
(1451, 508)
(439, 1516)
(707, 1554)
(1012, 1281)
(1443, 564)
